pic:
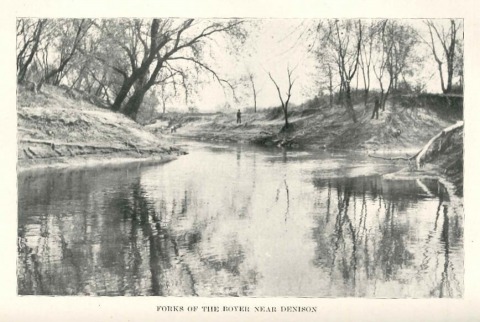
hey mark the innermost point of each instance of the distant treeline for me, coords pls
(134, 64)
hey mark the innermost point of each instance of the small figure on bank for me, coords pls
(239, 117)
(376, 108)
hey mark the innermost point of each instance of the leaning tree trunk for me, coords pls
(435, 142)
(133, 104)
(122, 93)
(434, 145)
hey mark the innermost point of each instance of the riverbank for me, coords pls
(406, 125)
(443, 161)
(204, 213)
(58, 130)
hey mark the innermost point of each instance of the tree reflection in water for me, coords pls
(375, 243)
(257, 224)
(122, 245)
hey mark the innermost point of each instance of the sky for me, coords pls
(272, 46)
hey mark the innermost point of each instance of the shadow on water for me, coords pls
(266, 224)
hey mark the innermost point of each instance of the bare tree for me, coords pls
(71, 33)
(251, 78)
(166, 92)
(29, 35)
(344, 38)
(251, 90)
(341, 52)
(398, 40)
(366, 57)
(448, 40)
(330, 85)
(458, 65)
(288, 95)
(147, 51)
(348, 58)
(384, 48)
(326, 71)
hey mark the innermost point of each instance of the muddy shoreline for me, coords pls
(94, 161)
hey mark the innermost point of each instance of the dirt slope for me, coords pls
(399, 127)
(56, 129)
(448, 158)
(404, 127)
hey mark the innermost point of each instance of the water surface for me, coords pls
(233, 220)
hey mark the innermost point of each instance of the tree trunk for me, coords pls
(78, 82)
(122, 94)
(54, 77)
(81, 76)
(449, 77)
(142, 85)
(342, 85)
(387, 93)
(330, 86)
(366, 83)
(382, 91)
(349, 102)
(285, 114)
(89, 87)
(139, 73)
(423, 153)
(366, 96)
(254, 94)
(128, 83)
(55, 73)
(134, 102)
(99, 90)
(24, 67)
(356, 85)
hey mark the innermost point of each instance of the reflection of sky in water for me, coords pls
(235, 221)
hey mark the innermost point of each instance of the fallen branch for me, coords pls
(393, 158)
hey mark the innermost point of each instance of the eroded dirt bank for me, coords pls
(406, 125)
(58, 130)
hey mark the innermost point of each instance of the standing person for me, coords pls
(239, 117)
(376, 107)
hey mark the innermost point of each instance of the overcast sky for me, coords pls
(274, 44)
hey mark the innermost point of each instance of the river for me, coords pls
(235, 220)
